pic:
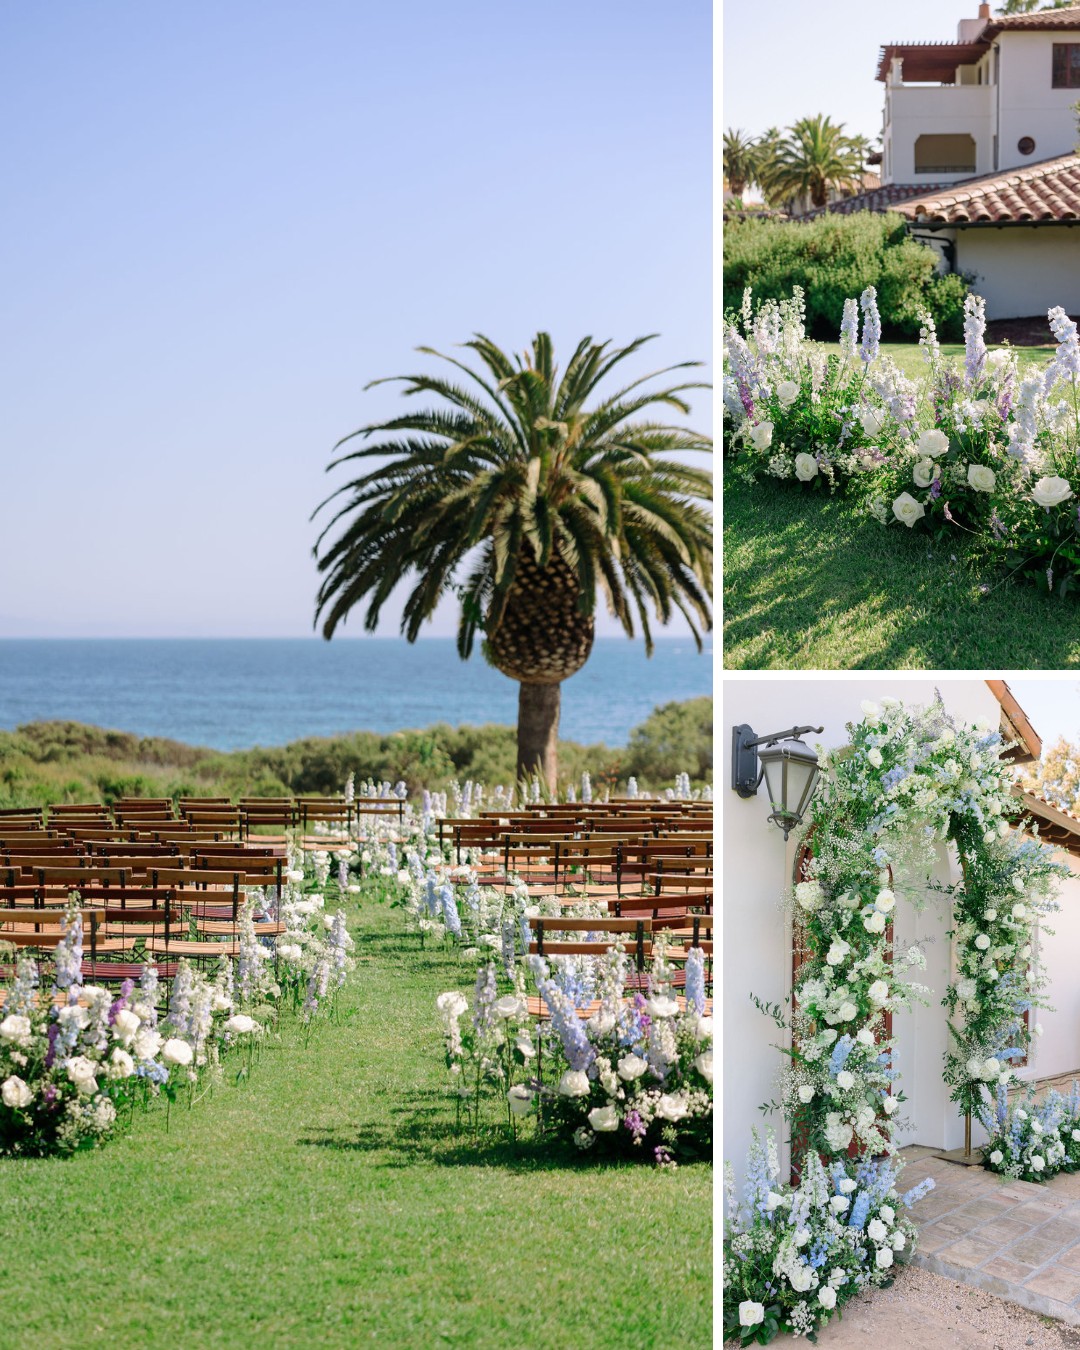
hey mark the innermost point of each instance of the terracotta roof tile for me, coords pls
(1046, 191)
(1038, 21)
(876, 199)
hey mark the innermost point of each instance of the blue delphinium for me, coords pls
(840, 1052)
(695, 979)
(450, 911)
(859, 1210)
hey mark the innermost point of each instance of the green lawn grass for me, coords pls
(909, 357)
(811, 584)
(327, 1202)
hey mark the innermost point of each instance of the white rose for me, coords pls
(125, 1025)
(801, 1278)
(847, 1185)
(81, 1072)
(871, 421)
(933, 443)
(884, 1258)
(704, 1066)
(1036, 1127)
(147, 1043)
(573, 1083)
(887, 1213)
(175, 1051)
(981, 478)
(924, 473)
(806, 467)
(1018, 911)
(751, 1313)
(806, 1093)
(452, 1004)
(520, 1099)
(839, 1203)
(14, 1092)
(890, 1104)
(73, 1016)
(761, 435)
(991, 1069)
(1051, 491)
(982, 942)
(870, 711)
(1037, 1163)
(604, 1119)
(907, 510)
(837, 952)
(241, 1025)
(874, 756)
(884, 900)
(847, 1011)
(631, 1067)
(845, 1080)
(875, 922)
(827, 1296)
(671, 1106)
(662, 1006)
(898, 1240)
(122, 1065)
(787, 393)
(511, 1006)
(15, 1028)
(876, 1230)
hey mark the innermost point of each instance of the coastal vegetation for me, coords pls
(69, 761)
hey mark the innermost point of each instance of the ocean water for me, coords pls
(235, 693)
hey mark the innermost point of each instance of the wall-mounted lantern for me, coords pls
(789, 767)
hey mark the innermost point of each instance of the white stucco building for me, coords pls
(757, 938)
(978, 152)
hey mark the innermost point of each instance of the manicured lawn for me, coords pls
(811, 584)
(327, 1202)
(908, 355)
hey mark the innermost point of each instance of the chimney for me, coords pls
(984, 11)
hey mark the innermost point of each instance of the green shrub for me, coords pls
(834, 257)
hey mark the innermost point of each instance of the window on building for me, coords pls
(945, 154)
(1066, 65)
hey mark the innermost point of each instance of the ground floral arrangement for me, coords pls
(1033, 1140)
(979, 451)
(907, 780)
(77, 1060)
(634, 1078)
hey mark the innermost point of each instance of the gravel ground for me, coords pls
(922, 1311)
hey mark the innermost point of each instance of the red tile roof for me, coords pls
(876, 199)
(1038, 21)
(1046, 191)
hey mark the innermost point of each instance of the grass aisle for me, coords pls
(811, 584)
(327, 1202)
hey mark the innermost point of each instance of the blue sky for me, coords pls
(222, 221)
(788, 59)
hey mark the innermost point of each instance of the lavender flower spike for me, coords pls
(974, 343)
(849, 330)
(871, 335)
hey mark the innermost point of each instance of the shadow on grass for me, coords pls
(424, 1132)
(810, 583)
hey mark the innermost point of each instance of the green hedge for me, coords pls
(833, 257)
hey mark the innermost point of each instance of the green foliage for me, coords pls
(835, 256)
(675, 733)
(45, 762)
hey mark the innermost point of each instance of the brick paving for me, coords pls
(1019, 1240)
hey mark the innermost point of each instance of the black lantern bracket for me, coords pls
(746, 773)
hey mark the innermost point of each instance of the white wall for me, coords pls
(756, 932)
(1022, 270)
(1058, 1050)
(920, 109)
(1029, 106)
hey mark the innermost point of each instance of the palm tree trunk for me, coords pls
(538, 733)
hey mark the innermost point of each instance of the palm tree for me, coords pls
(524, 503)
(740, 160)
(814, 157)
(768, 144)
